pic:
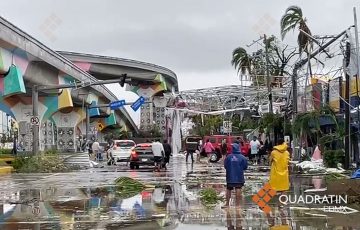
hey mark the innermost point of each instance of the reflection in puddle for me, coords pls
(175, 206)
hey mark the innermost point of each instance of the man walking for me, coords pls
(168, 151)
(235, 164)
(158, 151)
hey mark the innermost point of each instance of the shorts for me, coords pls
(157, 159)
(231, 186)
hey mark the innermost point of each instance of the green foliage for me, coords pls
(209, 197)
(334, 176)
(211, 125)
(51, 152)
(5, 138)
(309, 123)
(333, 157)
(5, 151)
(292, 18)
(116, 134)
(275, 123)
(39, 164)
(127, 187)
(241, 60)
(153, 133)
(246, 123)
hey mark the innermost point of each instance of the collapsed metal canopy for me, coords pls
(230, 97)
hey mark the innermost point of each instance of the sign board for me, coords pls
(287, 139)
(93, 130)
(227, 126)
(117, 104)
(138, 103)
(34, 120)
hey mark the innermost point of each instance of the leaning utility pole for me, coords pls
(294, 77)
(356, 152)
(302, 62)
(267, 43)
(347, 107)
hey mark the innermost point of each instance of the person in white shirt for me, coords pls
(95, 147)
(254, 146)
(158, 151)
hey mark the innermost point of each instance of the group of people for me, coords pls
(236, 163)
(257, 150)
(161, 151)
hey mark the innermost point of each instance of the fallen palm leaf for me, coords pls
(209, 197)
(127, 187)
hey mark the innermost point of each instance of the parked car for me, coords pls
(122, 149)
(142, 155)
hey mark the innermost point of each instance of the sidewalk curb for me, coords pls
(6, 169)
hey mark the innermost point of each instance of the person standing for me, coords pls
(317, 153)
(95, 147)
(189, 152)
(224, 149)
(254, 146)
(167, 151)
(158, 151)
(199, 150)
(279, 172)
(208, 148)
(235, 164)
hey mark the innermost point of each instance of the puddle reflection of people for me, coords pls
(230, 221)
(278, 226)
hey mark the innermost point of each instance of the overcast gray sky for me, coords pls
(194, 38)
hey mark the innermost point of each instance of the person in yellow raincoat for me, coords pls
(279, 172)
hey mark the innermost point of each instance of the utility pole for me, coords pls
(267, 43)
(294, 77)
(36, 130)
(347, 107)
(356, 153)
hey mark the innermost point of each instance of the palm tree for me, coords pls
(292, 18)
(242, 61)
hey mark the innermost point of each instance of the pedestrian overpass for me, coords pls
(25, 62)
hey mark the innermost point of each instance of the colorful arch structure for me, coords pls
(25, 62)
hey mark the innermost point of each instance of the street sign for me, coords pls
(117, 104)
(227, 126)
(36, 210)
(34, 120)
(138, 103)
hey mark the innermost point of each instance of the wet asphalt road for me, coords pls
(87, 200)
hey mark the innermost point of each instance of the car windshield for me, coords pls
(124, 144)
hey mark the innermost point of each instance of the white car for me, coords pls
(121, 150)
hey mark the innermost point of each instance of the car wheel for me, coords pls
(132, 166)
(213, 157)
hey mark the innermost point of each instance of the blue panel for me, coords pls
(354, 101)
(94, 111)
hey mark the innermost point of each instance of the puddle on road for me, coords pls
(175, 206)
